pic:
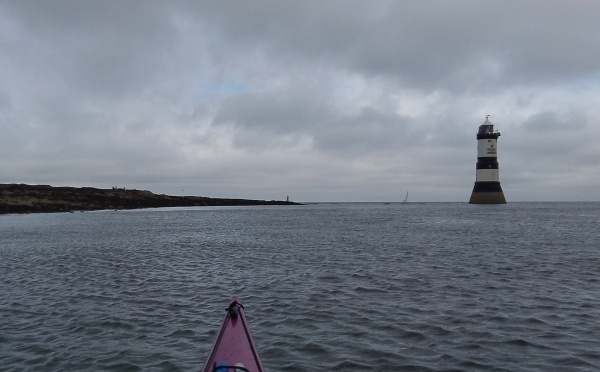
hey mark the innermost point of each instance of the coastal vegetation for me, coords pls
(21, 198)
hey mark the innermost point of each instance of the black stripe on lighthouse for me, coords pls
(486, 163)
(487, 186)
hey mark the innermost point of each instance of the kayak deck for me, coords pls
(234, 349)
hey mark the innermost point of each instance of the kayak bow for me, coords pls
(234, 349)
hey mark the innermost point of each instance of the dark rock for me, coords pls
(21, 198)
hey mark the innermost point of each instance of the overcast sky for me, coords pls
(318, 100)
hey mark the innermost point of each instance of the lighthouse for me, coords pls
(487, 189)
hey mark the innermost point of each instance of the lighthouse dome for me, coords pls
(486, 127)
(486, 130)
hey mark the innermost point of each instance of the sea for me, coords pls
(326, 287)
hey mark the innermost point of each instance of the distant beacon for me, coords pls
(487, 189)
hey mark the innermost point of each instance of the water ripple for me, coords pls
(345, 287)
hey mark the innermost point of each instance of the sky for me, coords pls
(324, 101)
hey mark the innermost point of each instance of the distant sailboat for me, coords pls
(405, 198)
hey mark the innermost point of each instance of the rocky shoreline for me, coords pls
(21, 198)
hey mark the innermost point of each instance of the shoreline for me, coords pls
(23, 198)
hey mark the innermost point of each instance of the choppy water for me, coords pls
(340, 287)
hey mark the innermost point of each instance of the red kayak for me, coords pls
(234, 349)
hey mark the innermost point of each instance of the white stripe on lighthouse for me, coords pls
(487, 148)
(483, 175)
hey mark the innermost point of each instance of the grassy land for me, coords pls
(20, 198)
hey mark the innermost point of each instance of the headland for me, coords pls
(21, 198)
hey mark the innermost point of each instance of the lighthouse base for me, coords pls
(487, 193)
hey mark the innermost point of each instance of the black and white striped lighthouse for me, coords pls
(487, 189)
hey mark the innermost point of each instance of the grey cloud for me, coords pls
(424, 44)
(232, 95)
(101, 48)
